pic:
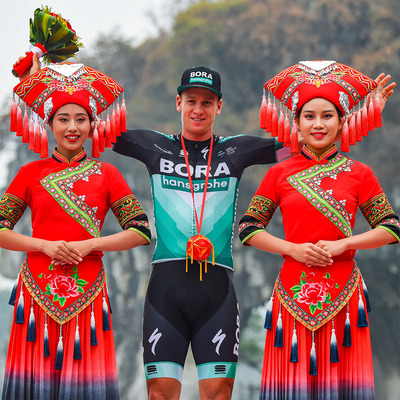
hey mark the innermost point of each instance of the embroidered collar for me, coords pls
(60, 158)
(328, 155)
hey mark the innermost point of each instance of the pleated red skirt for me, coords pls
(349, 379)
(31, 375)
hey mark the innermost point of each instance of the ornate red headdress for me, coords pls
(341, 85)
(59, 84)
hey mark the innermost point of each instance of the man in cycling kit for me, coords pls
(180, 309)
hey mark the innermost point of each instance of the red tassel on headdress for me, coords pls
(25, 128)
(364, 120)
(112, 124)
(31, 133)
(352, 130)
(294, 140)
(44, 145)
(36, 147)
(377, 112)
(263, 113)
(371, 116)
(269, 115)
(345, 138)
(13, 116)
(274, 121)
(358, 125)
(118, 121)
(101, 135)
(281, 127)
(123, 116)
(108, 138)
(286, 129)
(95, 143)
(19, 120)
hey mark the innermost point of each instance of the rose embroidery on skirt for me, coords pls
(313, 290)
(63, 282)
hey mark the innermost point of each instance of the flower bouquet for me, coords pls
(52, 37)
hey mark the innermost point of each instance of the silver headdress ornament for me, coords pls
(344, 102)
(93, 108)
(47, 109)
(295, 101)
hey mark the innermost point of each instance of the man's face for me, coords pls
(198, 108)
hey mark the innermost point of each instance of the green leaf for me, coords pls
(327, 275)
(313, 308)
(328, 297)
(81, 282)
(296, 288)
(62, 301)
(80, 290)
(319, 306)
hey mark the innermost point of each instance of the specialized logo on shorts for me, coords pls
(219, 338)
(154, 338)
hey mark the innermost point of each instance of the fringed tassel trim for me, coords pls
(347, 330)
(46, 347)
(106, 316)
(313, 358)
(294, 356)
(77, 343)
(31, 327)
(13, 295)
(93, 337)
(19, 317)
(334, 356)
(60, 352)
(13, 115)
(279, 330)
(367, 302)
(362, 321)
(264, 112)
(268, 313)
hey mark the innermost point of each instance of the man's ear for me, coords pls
(178, 103)
(219, 107)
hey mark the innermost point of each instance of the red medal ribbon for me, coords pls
(198, 247)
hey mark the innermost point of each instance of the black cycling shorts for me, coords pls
(181, 310)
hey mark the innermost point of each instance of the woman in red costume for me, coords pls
(61, 344)
(318, 340)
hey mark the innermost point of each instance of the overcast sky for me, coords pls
(87, 17)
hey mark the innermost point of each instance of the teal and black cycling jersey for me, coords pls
(174, 214)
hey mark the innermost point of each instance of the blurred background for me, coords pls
(146, 46)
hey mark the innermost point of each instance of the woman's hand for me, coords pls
(34, 68)
(64, 252)
(334, 247)
(385, 90)
(83, 247)
(311, 255)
